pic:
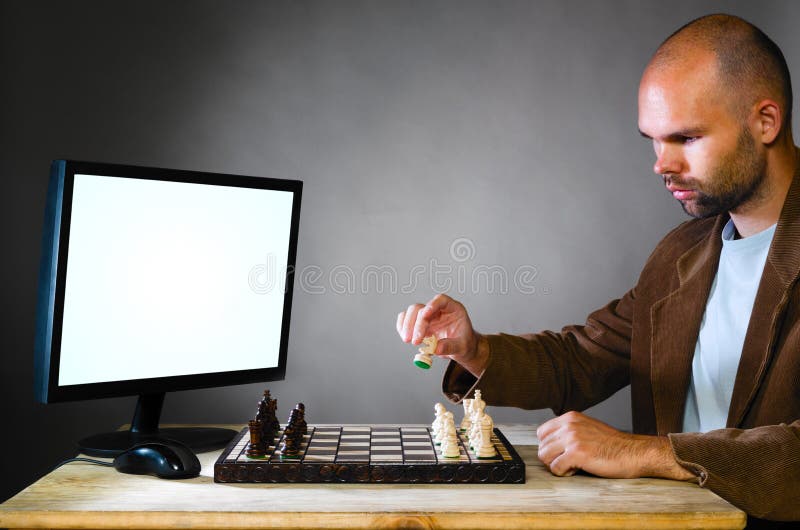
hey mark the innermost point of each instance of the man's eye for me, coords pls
(689, 139)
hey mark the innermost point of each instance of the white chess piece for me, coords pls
(446, 417)
(479, 400)
(424, 359)
(437, 423)
(484, 448)
(478, 406)
(450, 439)
(466, 423)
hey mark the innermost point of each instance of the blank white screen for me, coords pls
(158, 279)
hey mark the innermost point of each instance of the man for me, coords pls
(709, 338)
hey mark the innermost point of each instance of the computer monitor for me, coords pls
(157, 280)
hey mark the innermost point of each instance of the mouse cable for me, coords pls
(90, 460)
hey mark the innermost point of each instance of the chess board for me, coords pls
(370, 454)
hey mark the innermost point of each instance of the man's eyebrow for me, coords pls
(678, 135)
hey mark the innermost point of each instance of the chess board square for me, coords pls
(355, 436)
(386, 443)
(418, 452)
(416, 444)
(388, 448)
(416, 437)
(319, 458)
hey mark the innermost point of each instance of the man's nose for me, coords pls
(668, 160)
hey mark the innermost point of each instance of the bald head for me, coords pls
(749, 66)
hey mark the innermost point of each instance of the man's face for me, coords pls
(705, 153)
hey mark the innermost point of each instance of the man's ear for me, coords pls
(769, 121)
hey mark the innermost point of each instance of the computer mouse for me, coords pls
(164, 459)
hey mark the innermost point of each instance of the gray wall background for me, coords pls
(413, 124)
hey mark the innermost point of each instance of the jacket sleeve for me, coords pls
(756, 470)
(570, 370)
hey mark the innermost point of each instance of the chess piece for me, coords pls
(300, 420)
(263, 405)
(466, 423)
(478, 400)
(256, 448)
(424, 359)
(447, 417)
(478, 416)
(449, 439)
(437, 423)
(269, 421)
(296, 421)
(290, 443)
(484, 448)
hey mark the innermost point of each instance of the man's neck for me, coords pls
(752, 219)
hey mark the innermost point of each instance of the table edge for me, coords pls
(387, 519)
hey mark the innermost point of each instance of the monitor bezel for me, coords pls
(52, 282)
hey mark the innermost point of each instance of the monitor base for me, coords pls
(198, 439)
(144, 428)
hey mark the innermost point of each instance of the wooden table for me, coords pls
(82, 495)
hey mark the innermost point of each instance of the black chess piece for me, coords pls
(274, 424)
(256, 448)
(290, 443)
(266, 415)
(263, 406)
(300, 413)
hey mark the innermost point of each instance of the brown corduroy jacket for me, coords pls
(647, 339)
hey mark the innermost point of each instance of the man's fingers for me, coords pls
(424, 317)
(548, 452)
(409, 320)
(568, 418)
(438, 303)
(413, 323)
(547, 428)
(562, 466)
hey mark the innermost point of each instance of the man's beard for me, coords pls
(733, 182)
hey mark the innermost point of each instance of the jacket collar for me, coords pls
(676, 318)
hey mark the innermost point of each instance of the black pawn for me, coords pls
(290, 445)
(300, 418)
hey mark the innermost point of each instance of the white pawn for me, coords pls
(450, 440)
(424, 359)
(437, 423)
(484, 448)
(466, 423)
(446, 417)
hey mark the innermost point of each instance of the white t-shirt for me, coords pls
(723, 328)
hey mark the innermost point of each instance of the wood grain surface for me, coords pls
(80, 495)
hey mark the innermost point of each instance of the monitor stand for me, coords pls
(144, 428)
